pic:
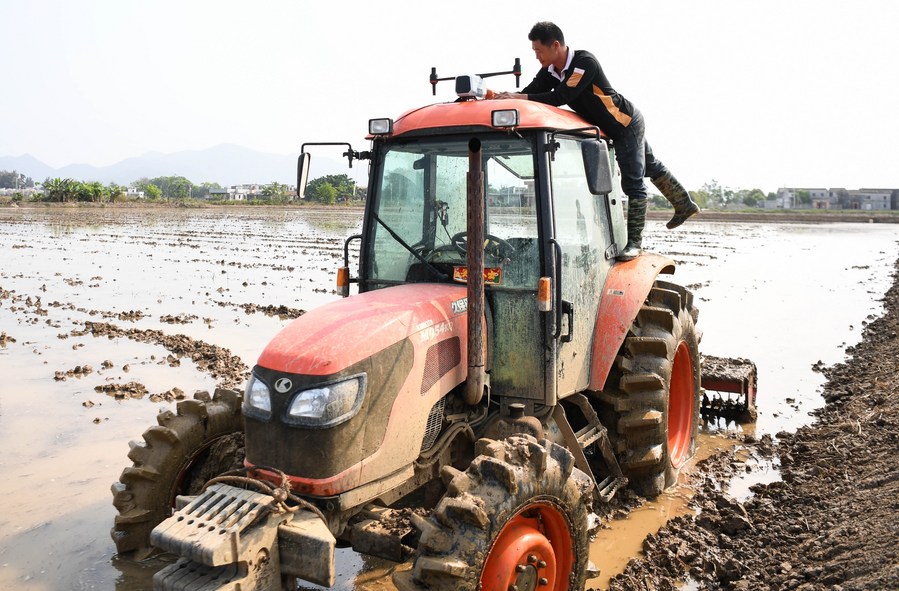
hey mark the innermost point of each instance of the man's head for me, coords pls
(548, 44)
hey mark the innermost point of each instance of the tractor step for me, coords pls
(595, 434)
(729, 385)
(606, 489)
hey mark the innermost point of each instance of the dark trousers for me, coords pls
(636, 160)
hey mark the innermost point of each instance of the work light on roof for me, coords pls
(380, 126)
(470, 86)
(504, 118)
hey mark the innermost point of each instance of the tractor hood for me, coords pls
(335, 336)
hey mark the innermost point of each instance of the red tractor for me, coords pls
(468, 405)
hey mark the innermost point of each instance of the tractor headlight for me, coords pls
(257, 400)
(380, 126)
(327, 405)
(504, 118)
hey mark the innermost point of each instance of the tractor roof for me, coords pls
(476, 113)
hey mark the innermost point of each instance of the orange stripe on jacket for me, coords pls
(613, 110)
(575, 77)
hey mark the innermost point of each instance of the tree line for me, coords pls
(334, 188)
(11, 179)
(713, 195)
(328, 189)
(164, 187)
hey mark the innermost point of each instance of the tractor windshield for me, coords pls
(419, 216)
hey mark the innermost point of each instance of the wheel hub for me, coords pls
(526, 554)
(526, 579)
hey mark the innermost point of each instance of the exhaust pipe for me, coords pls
(477, 377)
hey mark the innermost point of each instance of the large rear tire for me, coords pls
(516, 516)
(201, 440)
(652, 401)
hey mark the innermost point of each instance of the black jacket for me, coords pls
(587, 91)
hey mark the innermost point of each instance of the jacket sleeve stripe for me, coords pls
(623, 118)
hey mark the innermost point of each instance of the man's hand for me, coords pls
(508, 95)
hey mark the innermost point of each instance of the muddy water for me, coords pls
(784, 295)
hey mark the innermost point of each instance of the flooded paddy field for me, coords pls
(108, 316)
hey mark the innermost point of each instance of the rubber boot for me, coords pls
(677, 195)
(636, 220)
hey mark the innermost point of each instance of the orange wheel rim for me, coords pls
(534, 550)
(681, 401)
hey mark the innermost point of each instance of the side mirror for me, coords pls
(303, 174)
(597, 166)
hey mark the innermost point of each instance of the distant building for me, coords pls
(870, 199)
(227, 194)
(839, 197)
(834, 198)
(236, 193)
(800, 198)
(133, 193)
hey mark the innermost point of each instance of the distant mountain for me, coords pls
(225, 164)
(27, 165)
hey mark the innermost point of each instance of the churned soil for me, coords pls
(217, 361)
(831, 523)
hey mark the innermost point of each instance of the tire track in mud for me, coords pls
(217, 361)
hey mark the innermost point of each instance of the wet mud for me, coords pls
(830, 523)
(108, 317)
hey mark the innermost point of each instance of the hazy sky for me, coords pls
(760, 93)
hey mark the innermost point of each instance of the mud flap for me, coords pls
(230, 538)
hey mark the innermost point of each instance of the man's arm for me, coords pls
(542, 82)
(579, 78)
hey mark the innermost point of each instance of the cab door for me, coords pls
(582, 236)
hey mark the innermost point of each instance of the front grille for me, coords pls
(439, 359)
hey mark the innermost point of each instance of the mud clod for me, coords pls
(179, 319)
(78, 371)
(123, 391)
(168, 396)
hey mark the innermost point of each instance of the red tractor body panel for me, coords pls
(532, 115)
(341, 333)
(428, 318)
(626, 287)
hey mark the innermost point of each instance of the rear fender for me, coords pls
(627, 285)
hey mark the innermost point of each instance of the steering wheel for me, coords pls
(493, 245)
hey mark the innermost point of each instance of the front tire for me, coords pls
(653, 413)
(177, 456)
(516, 516)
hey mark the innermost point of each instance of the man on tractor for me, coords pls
(575, 78)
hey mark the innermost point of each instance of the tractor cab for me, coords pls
(552, 211)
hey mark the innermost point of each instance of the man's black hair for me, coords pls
(546, 32)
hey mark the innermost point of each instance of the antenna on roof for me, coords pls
(516, 71)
